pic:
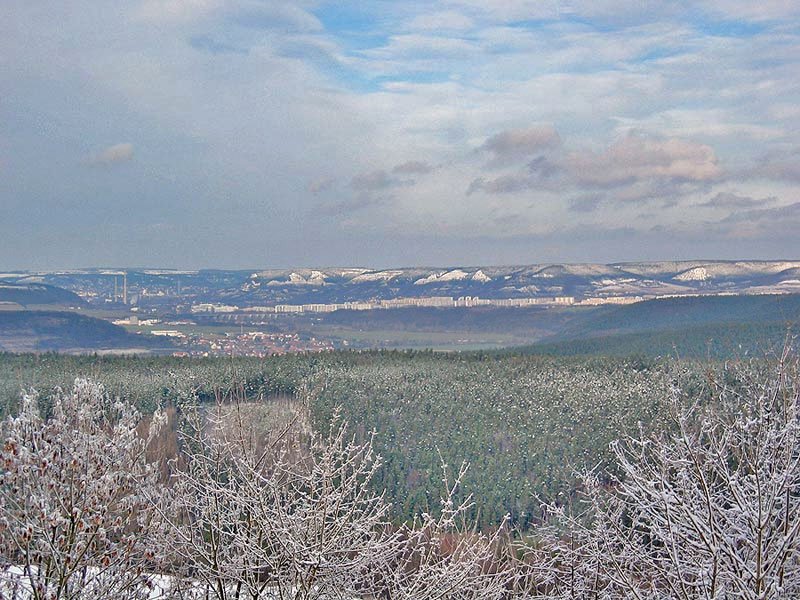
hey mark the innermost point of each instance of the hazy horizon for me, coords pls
(332, 267)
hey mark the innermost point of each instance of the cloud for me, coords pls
(118, 153)
(208, 44)
(413, 167)
(585, 204)
(177, 10)
(636, 167)
(377, 180)
(755, 223)
(353, 205)
(542, 168)
(626, 12)
(764, 10)
(505, 184)
(761, 215)
(374, 180)
(413, 48)
(636, 157)
(512, 10)
(285, 16)
(513, 145)
(783, 166)
(701, 123)
(731, 200)
(443, 20)
(261, 128)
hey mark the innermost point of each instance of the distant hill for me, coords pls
(336, 285)
(43, 331)
(676, 313)
(578, 280)
(721, 341)
(27, 294)
(694, 327)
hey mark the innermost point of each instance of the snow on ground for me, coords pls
(15, 585)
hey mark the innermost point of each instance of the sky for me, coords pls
(260, 133)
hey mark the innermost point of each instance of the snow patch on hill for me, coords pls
(314, 278)
(696, 274)
(376, 276)
(454, 275)
(481, 276)
(713, 269)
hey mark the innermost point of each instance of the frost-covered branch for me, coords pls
(711, 510)
(75, 517)
(292, 516)
(444, 556)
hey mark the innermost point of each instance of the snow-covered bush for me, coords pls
(76, 519)
(288, 516)
(711, 510)
(443, 555)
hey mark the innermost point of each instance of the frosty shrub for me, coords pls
(444, 556)
(289, 516)
(75, 513)
(711, 510)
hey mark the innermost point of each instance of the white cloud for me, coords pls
(512, 10)
(636, 157)
(177, 10)
(701, 123)
(763, 10)
(777, 166)
(420, 46)
(514, 145)
(413, 94)
(413, 167)
(732, 200)
(443, 20)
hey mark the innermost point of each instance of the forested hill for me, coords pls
(27, 294)
(697, 327)
(721, 341)
(42, 331)
(672, 313)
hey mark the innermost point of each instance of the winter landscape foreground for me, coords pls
(399, 300)
(237, 495)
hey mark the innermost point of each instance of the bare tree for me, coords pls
(289, 516)
(711, 510)
(444, 556)
(292, 515)
(75, 490)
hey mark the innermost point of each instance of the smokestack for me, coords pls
(124, 288)
(116, 289)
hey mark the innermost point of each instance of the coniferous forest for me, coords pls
(525, 424)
